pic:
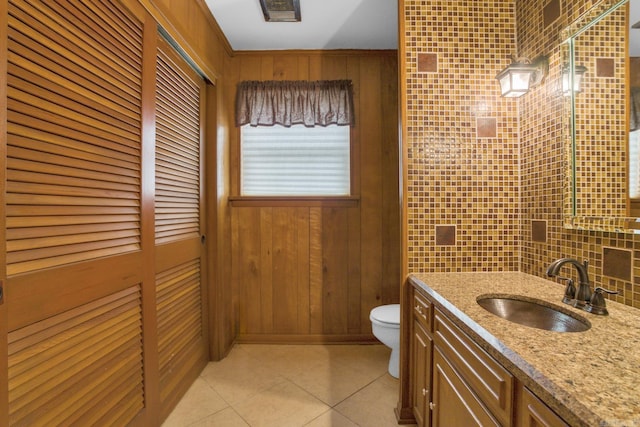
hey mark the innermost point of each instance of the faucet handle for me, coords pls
(597, 304)
(569, 291)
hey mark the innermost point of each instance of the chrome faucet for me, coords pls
(582, 295)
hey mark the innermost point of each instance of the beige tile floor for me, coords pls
(292, 385)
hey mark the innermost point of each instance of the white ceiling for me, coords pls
(326, 24)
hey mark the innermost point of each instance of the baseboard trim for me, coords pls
(305, 339)
(404, 416)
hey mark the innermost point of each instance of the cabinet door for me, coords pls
(454, 404)
(421, 348)
(178, 220)
(72, 208)
(532, 412)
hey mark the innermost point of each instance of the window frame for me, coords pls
(236, 199)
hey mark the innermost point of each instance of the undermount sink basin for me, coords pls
(534, 313)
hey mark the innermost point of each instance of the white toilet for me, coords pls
(385, 323)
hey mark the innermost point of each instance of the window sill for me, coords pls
(293, 201)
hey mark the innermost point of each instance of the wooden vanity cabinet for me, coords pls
(421, 359)
(491, 384)
(454, 382)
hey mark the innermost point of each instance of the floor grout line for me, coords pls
(273, 380)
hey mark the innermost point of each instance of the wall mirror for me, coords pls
(603, 172)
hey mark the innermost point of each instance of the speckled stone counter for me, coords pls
(589, 378)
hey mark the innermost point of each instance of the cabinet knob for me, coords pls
(431, 405)
(419, 309)
(424, 391)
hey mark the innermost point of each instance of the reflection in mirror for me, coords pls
(600, 193)
(634, 108)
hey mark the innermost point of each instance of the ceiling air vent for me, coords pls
(281, 10)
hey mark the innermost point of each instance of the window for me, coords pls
(634, 164)
(295, 161)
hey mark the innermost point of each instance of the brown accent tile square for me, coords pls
(616, 263)
(539, 231)
(605, 67)
(445, 235)
(427, 63)
(486, 127)
(551, 12)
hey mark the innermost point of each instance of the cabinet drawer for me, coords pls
(423, 311)
(533, 412)
(493, 384)
(454, 404)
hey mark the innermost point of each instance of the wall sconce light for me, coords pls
(578, 74)
(522, 75)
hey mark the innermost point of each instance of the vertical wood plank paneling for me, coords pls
(228, 113)
(334, 67)
(247, 261)
(316, 271)
(266, 68)
(239, 288)
(248, 68)
(226, 167)
(285, 67)
(355, 284)
(322, 280)
(353, 74)
(391, 183)
(315, 68)
(370, 196)
(336, 272)
(265, 233)
(302, 264)
(285, 255)
(303, 67)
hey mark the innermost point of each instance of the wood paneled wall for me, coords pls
(311, 272)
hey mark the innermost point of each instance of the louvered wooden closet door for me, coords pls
(182, 345)
(73, 213)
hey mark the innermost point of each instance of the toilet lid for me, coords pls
(386, 314)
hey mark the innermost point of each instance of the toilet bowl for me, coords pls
(385, 323)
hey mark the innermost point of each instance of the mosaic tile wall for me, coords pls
(602, 191)
(485, 174)
(461, 136)
(614, 257)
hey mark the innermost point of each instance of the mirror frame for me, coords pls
(571, 220)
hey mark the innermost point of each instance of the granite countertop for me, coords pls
(589, 378)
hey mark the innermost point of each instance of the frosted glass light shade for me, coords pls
(578, 74)
(515, 80)
(522, 75)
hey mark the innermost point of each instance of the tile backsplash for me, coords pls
(485, 164)
(461, 137)
(542, 163)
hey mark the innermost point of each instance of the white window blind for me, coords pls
(634, 164)
(295, 161)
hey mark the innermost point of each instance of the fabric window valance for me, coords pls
(311, 103)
